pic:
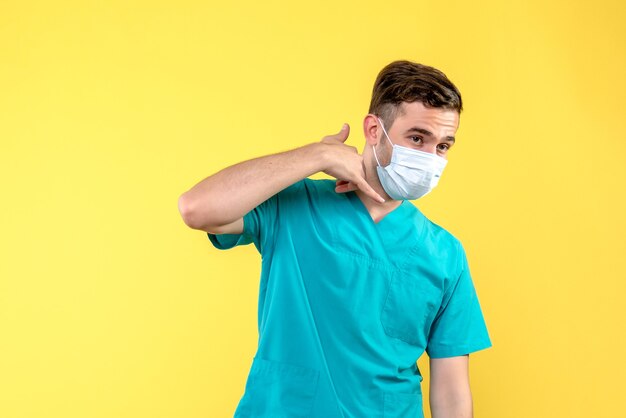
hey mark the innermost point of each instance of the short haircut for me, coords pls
(406, 81)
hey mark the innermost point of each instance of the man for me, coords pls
(356, 283)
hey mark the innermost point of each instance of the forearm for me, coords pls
(232, 192)
(451, 405)
(450, 394)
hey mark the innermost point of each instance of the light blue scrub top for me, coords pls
(347, 306)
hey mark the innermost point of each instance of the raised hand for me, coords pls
(346, 164)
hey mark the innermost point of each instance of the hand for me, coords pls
(346, 165)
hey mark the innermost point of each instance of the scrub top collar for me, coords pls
(400, 229)
(390, 220)
(394, 219)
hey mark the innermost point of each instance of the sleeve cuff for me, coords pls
(224, 241)
(443, 351)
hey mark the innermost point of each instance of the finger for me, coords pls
(340, 186)
(343, 133)
(351, 186)
(340, 136)
(367, 189)
(346, 186)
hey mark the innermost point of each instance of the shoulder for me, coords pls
(307, 190)
(321, 185)
(316, 189)
(310, 185)
(444, 243)
(440, 234)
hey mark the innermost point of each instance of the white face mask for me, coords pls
(411, 174)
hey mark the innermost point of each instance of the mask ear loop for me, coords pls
(385, 131)
(388, 139)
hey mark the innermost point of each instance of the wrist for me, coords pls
(317, 153)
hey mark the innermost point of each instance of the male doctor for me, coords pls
(356, 283)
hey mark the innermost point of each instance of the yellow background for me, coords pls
(111, 307)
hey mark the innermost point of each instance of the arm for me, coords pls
(450, 395)
(218, 203)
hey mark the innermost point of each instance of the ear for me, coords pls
(372, 129)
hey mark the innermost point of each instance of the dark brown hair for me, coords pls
(406, 81)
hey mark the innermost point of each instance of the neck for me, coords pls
(376, 210)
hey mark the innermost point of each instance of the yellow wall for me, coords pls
(111, 307)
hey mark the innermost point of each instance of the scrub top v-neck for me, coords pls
(347, 305)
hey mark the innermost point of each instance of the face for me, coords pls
(418, 127)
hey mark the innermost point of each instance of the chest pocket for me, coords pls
(409, 308)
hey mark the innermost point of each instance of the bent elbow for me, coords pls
(201, 216)
(188, 213)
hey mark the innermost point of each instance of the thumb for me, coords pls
(344, 132)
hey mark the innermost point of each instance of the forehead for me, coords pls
(415, 113)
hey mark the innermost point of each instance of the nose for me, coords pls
(430, 148)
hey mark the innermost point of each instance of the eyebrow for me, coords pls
(428, 133)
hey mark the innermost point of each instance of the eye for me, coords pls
(417, 139)
(443, 147)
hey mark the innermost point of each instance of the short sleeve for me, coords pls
(259, 225)
(459, 327)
